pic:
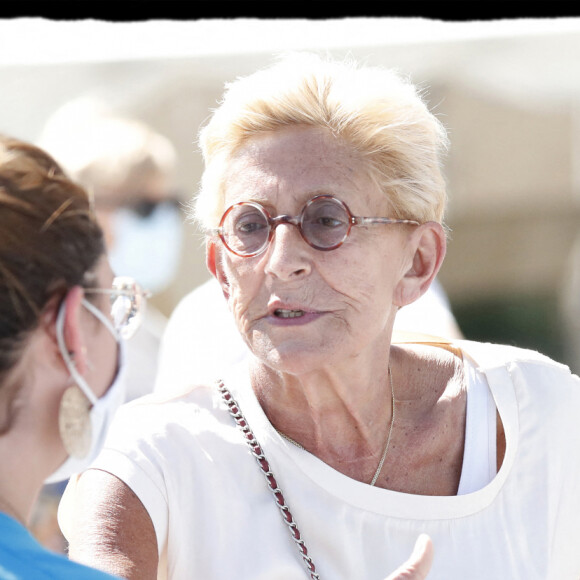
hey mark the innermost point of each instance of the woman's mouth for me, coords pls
(292, 316)
(283, 313)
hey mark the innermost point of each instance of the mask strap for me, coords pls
(78, 378)
(98, 314)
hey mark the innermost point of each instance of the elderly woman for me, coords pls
(60, 365)
(335, 447)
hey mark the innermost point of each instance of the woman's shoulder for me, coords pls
(198, 394)
(538, 381)
(491, 355)
(482, 354)
(158, 415)
(502, 363)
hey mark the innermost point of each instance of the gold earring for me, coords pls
(74, 422)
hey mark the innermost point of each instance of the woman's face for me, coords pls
(298, 308)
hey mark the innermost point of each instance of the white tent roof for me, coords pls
(543, 53)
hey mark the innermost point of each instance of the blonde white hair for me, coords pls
(374, 110)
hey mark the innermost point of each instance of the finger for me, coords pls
(419, 563)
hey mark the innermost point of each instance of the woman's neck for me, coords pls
(20, 446)
(339, 413)
(22, 477)
(20, 480)
(343, 414)
(15, 512)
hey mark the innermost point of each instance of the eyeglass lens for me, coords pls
(127, 306)
(324, 224)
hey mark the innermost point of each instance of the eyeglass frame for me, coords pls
(274, 222)
(130, 288)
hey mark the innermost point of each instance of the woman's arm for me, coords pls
(109, 528)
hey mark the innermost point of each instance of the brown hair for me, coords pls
(49, 241)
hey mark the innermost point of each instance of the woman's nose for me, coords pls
(288, 255)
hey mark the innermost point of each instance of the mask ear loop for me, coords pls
(74, 421)
(78, 378)
(70, 364)
(98, 314)
(74, 412)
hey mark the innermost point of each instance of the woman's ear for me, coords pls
(429, 245)
(214, 265)
(72, 331)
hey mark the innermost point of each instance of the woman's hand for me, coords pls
(419, 564)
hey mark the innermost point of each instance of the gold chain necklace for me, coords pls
(386, 449)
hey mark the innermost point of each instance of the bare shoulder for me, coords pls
(430, 402)
(108, 527)
(430, 372)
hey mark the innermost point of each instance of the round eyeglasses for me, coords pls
(128, 304)
(246, 228)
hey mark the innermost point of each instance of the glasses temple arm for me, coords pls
(365, 221)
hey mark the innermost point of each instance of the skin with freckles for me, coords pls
(320, 323)
(344, 313)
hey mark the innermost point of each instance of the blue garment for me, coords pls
(23, 558)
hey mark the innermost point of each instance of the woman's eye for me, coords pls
(329, 222)
(250, 225)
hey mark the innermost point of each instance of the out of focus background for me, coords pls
(507, 90)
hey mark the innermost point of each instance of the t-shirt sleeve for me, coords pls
(130, 454)
(138, 473)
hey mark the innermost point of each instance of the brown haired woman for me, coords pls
(60, 346)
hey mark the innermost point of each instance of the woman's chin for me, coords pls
(294, 357)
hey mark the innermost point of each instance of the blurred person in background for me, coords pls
(129, 169)
(63, 319)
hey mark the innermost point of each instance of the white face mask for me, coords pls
(103, 409)
(147, 248)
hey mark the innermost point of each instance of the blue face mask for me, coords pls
(147, 248)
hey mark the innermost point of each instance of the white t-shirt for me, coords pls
(215, 519)
(480, 446)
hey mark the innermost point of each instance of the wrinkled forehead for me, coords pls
(284, 169)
